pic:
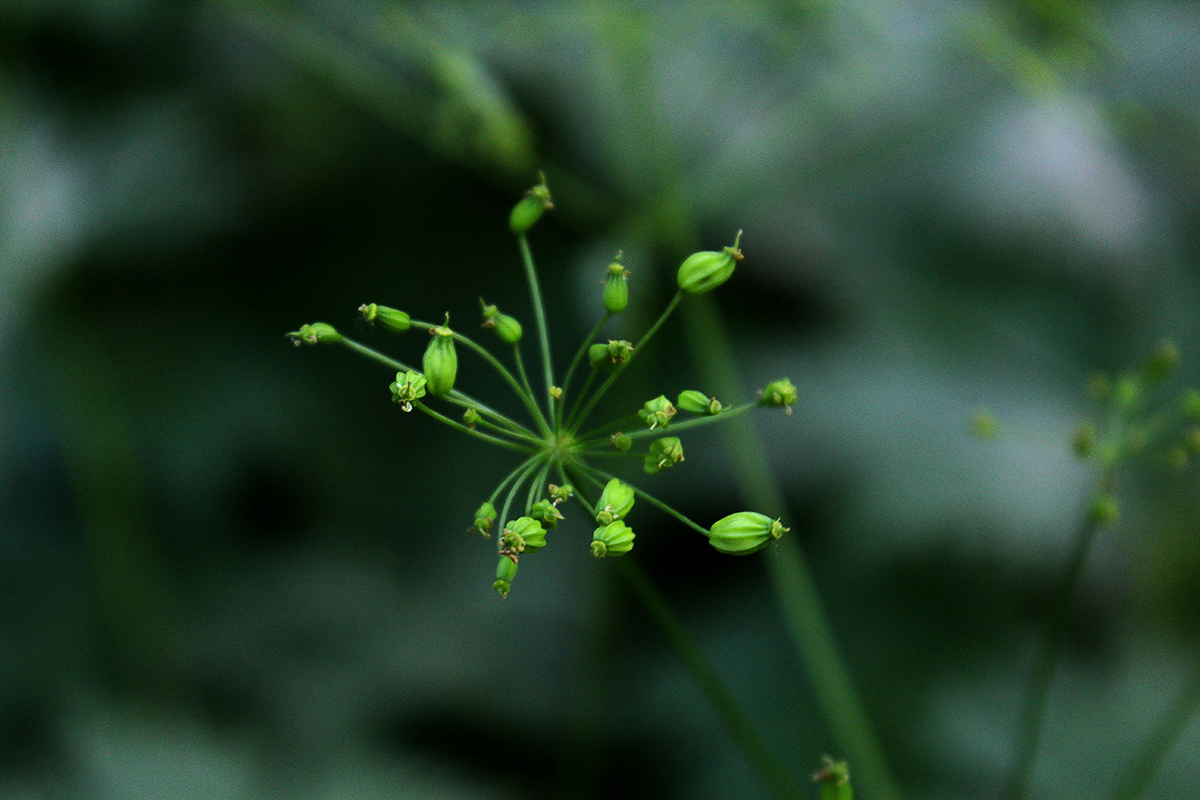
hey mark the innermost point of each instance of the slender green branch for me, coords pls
(697, 422)
(1033, 712)
(539, 309)
(770, 770)
(535, 487)
(652, 500)
(512, 476)
(458, 398)
(577, 403)
(483, 353)
(520, 448)
(614, 426)
(512, 492)
(517, 429)
(529, 389)
(579, 355)
(791, 578)
(1172, 725)
(637, 348)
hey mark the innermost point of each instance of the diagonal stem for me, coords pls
(539, 310)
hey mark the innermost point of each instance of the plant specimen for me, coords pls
(556, 441)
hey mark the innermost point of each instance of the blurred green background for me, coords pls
(231, 569)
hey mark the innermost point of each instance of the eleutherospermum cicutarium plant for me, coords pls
(556, 442)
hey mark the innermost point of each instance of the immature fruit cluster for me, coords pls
(745, 532)
(440, 361)
(507, 328)
(702, 272)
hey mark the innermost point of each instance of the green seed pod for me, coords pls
(622, 442)
(697, 403)
(657, 413)
(440, 362)
(389, 319)
(560, 494)
(616, 288)
(507, 328)
(704, 271)
(546, 513)
(530, 208)
(834, 780)
(744, 532)
(665, 452)
(523, 535)
(407, 387)
(316, 333)
(613, 539)
(615, 502)
(609, 357)
(471, 418)
(506, 570)
(484, 518)
(779, 394)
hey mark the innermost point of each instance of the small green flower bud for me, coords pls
(1084, 441)
(1105, 510)
(560, 494)
(705, 271)
(530, 208)
(665, 452)
(546, 513)
(834, 780)
(609, 357)
(616, 287)
(507, 328)
(657, 413)
(484, 518)
(985, 426)
(744, 532)
(1161, 363)
(506, 570)
(555, 392)
(389, 319)
(407, 387)
(440, 362)
(1190, 404)
(318, 332)
(615, 502)
(471, 418)
(523, 535)
(779, 394)
(697, 403)
(622, 442)
(613, 539)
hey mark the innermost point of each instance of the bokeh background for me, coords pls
(230, 568)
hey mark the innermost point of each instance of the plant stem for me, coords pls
(615, 425)
(695, 423)
(539, 310)
(512, 476)
(520, 448)
(542, 423)
(791, 579)
(512, 426)
(578, 403)
(535, 487)
(455, 396)
(579, 354)
(512, 492)
(483, 353)
(637, 348)
(770, 770)
(1032, 718)
(654, 501)
(1172, 725)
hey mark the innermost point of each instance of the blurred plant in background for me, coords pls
(211, 584)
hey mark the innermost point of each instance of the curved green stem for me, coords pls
(512, 426)
(539, 310)
(458, 398)
(637, 348)
(483, 353)
(505, 443)
(697, 422)
(577, 404)
(579, 354)
(1033, 712)
(535, 486)
(770, 770)
(614, 426)
(512, 492)
(652, 500)
(1172, 725)
(529, 389)
(512, 476)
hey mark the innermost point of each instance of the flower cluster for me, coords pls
(555, 441)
